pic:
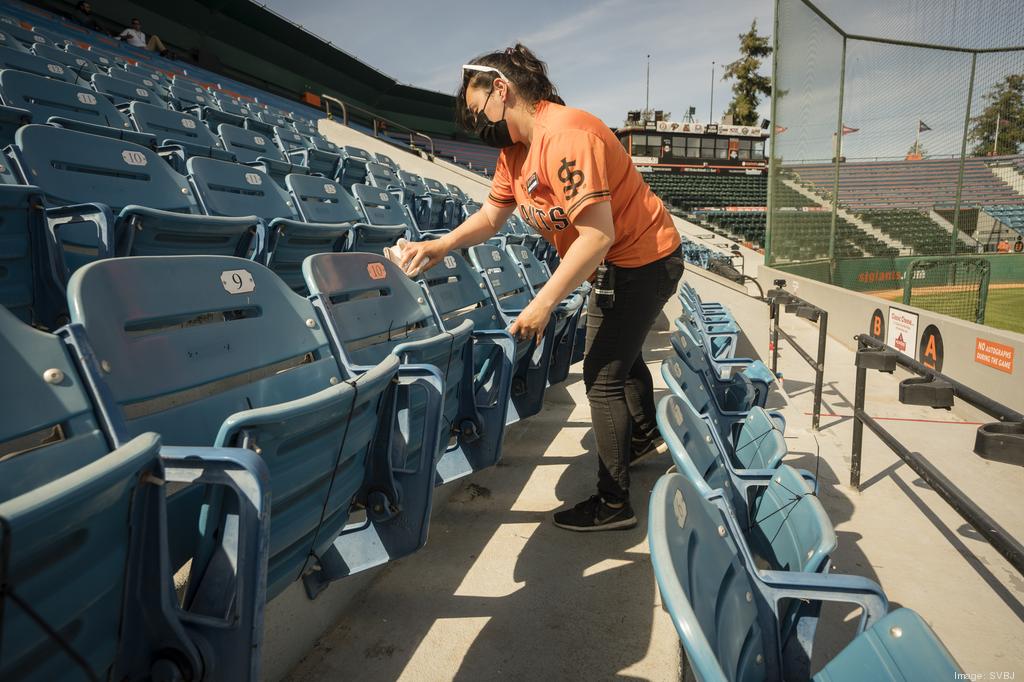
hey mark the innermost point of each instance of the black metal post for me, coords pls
(858, 427)
(775, 336)
(819, 369)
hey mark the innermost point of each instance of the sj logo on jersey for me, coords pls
(552, 220)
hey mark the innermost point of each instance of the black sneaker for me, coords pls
(594, 514)
(655, 448)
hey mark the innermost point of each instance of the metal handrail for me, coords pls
(778, 299)
(375, 117)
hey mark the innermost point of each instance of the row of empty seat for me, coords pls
(739, 541)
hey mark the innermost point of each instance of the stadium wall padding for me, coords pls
(960, 338)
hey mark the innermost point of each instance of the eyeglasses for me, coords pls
(475, 115)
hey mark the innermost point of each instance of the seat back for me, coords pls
(381, 207)
(8, 41)
(459, 293)
(27, 37)
(789, 526)
(232, 106)
(231, 189)
(45, 97)
(122, 92)
(760, 443)
(82, 66)
(248, 145)
(270, 118)
(148, 81)
(22, 60)
(735, 395)
(413, 183)
(189, 98)
(93, 56)
(75, 168)
(352, 170)
(26, 287)
(704, 584)
(227, 356)
(288, 140)
(60, 481)
(536, 274)
(386, 160)
(323, 144)
(321, 200)
(440, 204)
(506, 280)
(691, 444)
(172, 126)
(379, 175)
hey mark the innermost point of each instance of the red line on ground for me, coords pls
(905, 419)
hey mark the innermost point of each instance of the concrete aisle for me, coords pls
(501, 593)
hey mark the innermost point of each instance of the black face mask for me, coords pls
(494, 133)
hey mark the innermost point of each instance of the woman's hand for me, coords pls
(418, 257)
(532, 322)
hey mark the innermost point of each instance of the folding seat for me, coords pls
(30, 63)
(459, 198)
(68, 106)
(386, 160)
(28, 288)
(317, 154)
(179, 136)
(82, 67)
(224, 111)
(371, 309)
(736, 628)
(510, 294)
(188, 99)
(567, 314)
(231, 189)
(143, 81)
(97, 58)
(148, 73)
(722, 368)
(305, 128)
(87, 592)
(417, 197)
(26, 37)
(508, 234)
(123, 93)
(259, 151)
(384, 177)
(386, 214)
(440, 206)
(352, 168)
(219, 351)
(115, 198)
(8, 41)
(265, 121)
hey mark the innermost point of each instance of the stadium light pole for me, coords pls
(711, 107)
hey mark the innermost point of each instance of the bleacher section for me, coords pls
(688, 191)
(914, 228)
(919, 185)
(1011, 216)
(740, 544)
(229, 327)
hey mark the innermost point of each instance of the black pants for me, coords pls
(618, 383)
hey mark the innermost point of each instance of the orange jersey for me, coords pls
(574, 161)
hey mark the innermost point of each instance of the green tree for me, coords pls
(1004, 103)
(749, 85)
(919, 149)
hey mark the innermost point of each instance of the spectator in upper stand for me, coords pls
(134, 36)
(82, 15)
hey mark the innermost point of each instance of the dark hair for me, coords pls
(528, 76)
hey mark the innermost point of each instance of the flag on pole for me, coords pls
(922, 126)
(847, 129)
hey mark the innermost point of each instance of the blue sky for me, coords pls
(596, 51)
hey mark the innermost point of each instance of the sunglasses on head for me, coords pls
(474, 115)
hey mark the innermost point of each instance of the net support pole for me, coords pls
(963, 157)
(835, 179)
(773, 164)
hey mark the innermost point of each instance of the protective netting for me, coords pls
(885, 144)
(952, 286)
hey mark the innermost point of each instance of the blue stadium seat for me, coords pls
(316, 153)
(229, 356)
(230, 189)
(67, 105)
(26, 37)
(150, 82)
(225, 111)
(258, 150)
(189, 99)
(441, 208)
(115, 198)
(9, 42)
(352, 167)
(386, 160)
(510, 294)
(28, 288)
(83, 68)
(567, 314)
(179, 135)
(85, 538)
(385, 214)
(458, 293)
(122, 92)
(98, 59)
(731, 623)
(30, 63)
(417, 198)
(720, 372)
(399, 321)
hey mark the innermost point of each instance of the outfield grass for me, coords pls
(1004, 310)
